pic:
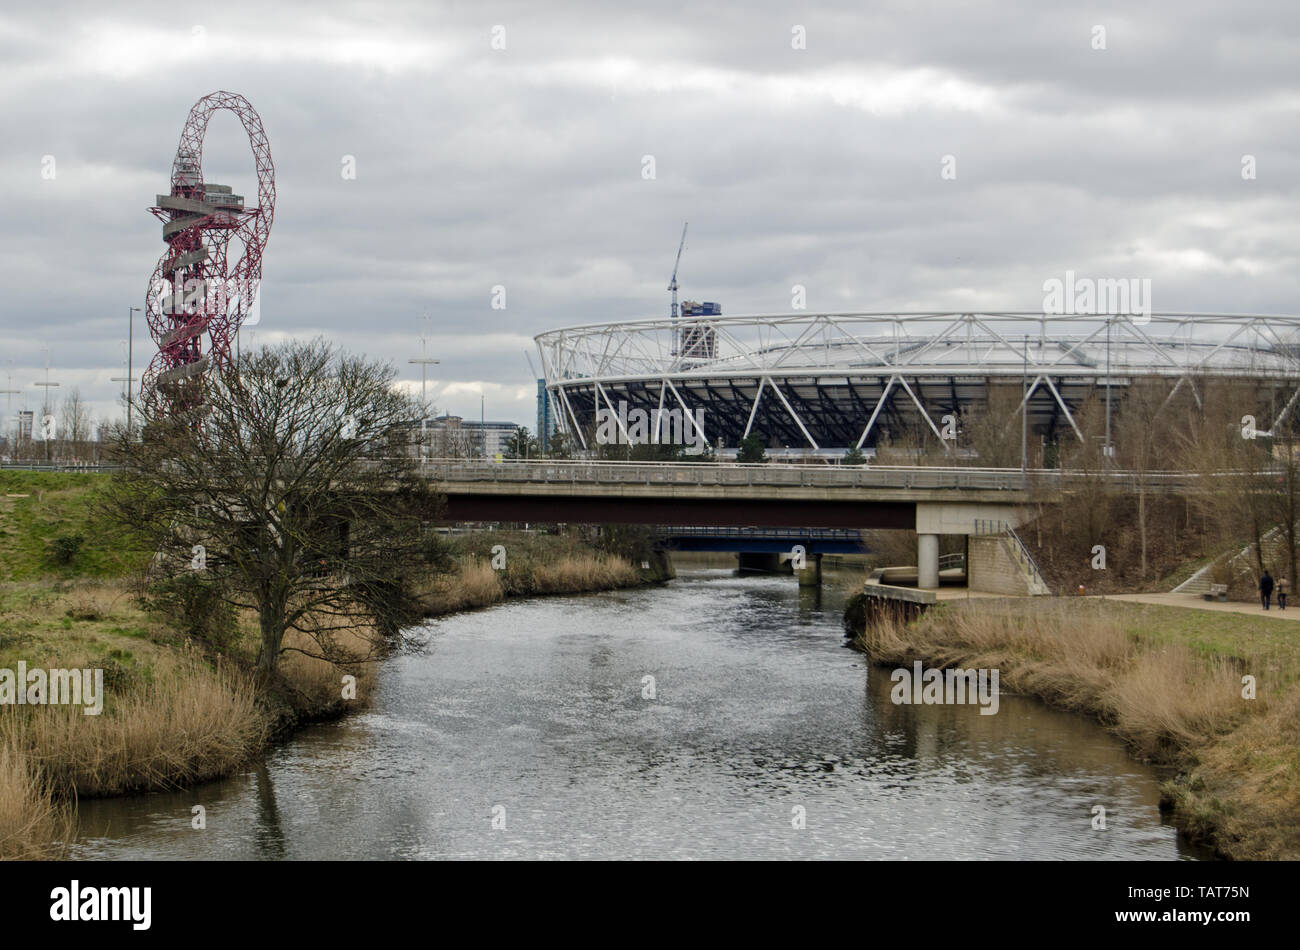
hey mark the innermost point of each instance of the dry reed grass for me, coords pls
(319, 682)
(577, 573)
(475, 585)
(190, 726)
(1246, 792)
(33, 824)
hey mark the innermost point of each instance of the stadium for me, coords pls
(821, 384)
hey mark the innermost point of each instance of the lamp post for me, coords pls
(10, 392)
(1024, 413)
(45, 411)
(425, 363)
(124, 380)
(1106, 448)
(130, 369)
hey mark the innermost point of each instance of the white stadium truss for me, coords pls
(825, 382)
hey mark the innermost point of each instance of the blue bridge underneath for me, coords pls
(761, 540)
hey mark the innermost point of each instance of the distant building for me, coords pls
(456, 437)
(546, 423)
(698, 340)
(494, 435)
(25, 419)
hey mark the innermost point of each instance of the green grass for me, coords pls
(37, 507)
(1215, 633)
(36, 627)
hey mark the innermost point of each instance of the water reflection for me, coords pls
(269, 837)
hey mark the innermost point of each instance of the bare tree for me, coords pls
(993, 430)
(1092, 493)
(914, 445)
(74, 424)
(294, 491)
(1223, 442)
(1144, 441)
(1288, 503)
(450, 440)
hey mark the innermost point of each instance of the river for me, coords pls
(531, 730)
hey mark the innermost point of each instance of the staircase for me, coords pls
(1028, 566)
(1243, 562)
(1017, 552)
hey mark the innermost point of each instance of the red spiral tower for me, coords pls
(197, 291)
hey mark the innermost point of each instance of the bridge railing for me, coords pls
(723, 474)
(775, 533)
(866, 476)
(547, 471)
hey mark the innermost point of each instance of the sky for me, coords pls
(885, 156)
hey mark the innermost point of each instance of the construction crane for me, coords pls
(672, 284)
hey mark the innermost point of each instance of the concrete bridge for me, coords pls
(929, 501)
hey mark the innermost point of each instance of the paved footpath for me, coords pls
(961, 593)
(1196, 602)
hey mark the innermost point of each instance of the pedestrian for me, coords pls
(1281, 593)
(1265, 589)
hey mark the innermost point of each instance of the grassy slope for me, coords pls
(51, 612)
(36, 507)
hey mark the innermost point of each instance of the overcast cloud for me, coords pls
(522, 167)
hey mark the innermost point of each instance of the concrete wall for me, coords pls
(992, 570)
(962, 517)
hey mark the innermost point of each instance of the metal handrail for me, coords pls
(1022, 550)
(846, 534)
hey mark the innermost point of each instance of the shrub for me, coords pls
(196, 609)
(751, 449)
(64, 548)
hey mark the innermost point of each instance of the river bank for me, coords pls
(179, 705)
(1215, 698)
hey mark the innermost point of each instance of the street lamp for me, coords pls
(1106, 451)
(1024, 412)
(425, 363)
(9, 402)
(45, 411)
(122, 379)
(130, 369)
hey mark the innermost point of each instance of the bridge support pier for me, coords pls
(927, 561)
(810, 575)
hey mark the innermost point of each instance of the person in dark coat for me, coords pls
(1281, 593)
(1265, 589)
